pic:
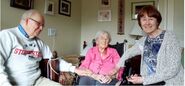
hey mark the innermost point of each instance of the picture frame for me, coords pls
(49, 7)
(121, 17)
(64, 7)
(104, 15)
(105, 3)
(136, 6)
(23, 4)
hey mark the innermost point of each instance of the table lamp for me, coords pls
(136, 31)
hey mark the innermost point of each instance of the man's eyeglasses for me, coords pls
(38, 23)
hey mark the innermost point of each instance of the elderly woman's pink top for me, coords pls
(96, 64)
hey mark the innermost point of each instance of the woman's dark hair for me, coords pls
(151, 11)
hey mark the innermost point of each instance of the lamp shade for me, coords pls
(136, 30)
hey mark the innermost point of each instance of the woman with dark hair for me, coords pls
(160, 52)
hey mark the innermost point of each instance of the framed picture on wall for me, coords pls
(23, 4)
(104, 15)
(121, 17)
(64, 7)
(105, 3)
(49, 7)
(136, 6)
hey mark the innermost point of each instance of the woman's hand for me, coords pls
(135, 79)
(83, 72)
(102, 78)
(108, 79)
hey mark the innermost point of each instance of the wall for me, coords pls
(173, 17)
(90, 25)
(67, 40)
(178, 20)
(0, 15)
(82, 25)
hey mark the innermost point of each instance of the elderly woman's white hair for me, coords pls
(102, 32)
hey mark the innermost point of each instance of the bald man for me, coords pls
(21, 51)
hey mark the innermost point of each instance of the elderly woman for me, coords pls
(100, 61)
(160, 51)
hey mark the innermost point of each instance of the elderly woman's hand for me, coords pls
(108, 79)
(83, 72)
(102, 78)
